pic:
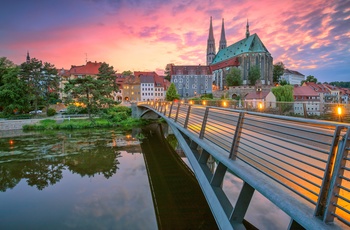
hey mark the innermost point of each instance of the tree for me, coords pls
(283, 93)
(13, 92)
(283, 82)
(5, 64)
(171, 93)
(41, 79)
(233, 78)
(108, 87)
(309, 78)
(126, 73)
(278, 70)
(254, 74)
(83, 90)
(93, 92)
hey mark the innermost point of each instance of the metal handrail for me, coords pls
(312, 147)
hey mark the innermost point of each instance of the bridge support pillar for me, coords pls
(242, 204)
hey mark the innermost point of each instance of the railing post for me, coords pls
(165, 106)
(237, 136)
(338, 173)
(177, 112)
(171, 108)
(187, 116)
(325, 187)
(204, 123)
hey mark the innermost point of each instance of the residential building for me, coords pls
(147, 88)
(260, 99)
(292, 77)
(191, 80)
(132, 89)
(243, 54)
(306, 99)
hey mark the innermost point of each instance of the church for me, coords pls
(244, 54)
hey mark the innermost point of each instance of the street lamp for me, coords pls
(260, 106)
(339, 110)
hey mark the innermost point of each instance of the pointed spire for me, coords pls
(247, 34)
(210, 44)
(222, 43)
(211, 33)
(28, 58)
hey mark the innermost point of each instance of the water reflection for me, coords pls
(41, 158)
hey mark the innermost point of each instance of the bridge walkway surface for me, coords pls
(300, 165)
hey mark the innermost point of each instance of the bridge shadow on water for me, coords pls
(178, 199)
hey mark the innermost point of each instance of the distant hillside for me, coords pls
(343, 84)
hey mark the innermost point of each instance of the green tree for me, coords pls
(233, 77)
(127, 73)
(278, 70)
(83, 90)
(13, 92)
(283, 82)
(41, 79)
(283, 93)
(107, 84)
(5, 65)
(309, 78)
(254, 74)
(171, 93)
(94, 92)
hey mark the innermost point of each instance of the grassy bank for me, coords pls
(49, 124)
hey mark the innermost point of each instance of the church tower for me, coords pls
(210, 45)
(247, 34)
(222, 44)
(28, 58)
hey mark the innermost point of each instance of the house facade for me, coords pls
(190, 80)
(292, 77)
(306, 100)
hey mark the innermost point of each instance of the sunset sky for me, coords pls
(312, 37)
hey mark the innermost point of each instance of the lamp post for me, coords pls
(339, 111)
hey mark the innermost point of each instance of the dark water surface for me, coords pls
(93, 179)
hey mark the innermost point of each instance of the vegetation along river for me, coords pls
(109, 179)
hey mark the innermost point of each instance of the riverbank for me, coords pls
(7, 125)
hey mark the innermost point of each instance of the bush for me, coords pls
(51, 112)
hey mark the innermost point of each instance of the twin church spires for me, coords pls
(222, 44)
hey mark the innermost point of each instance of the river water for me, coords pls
(108, 179)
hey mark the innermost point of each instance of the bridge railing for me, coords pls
(310, 158)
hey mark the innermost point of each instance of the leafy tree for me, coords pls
(283, 93)
(41, 79)
(108, 86)
(171, 93)
(341, 84)
(254, 74)
(93, 92)
(83, 90)
(127, 73)
(13, 92)
(233, 78)
(278, 70)
(309, 78)
(5, 64)
(283, 82)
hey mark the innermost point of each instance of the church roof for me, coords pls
(91, 68)
(246, 45)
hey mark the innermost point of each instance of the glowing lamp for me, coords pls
(339, 110)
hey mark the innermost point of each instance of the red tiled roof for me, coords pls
(257, 95)
(227, 63)
(91, 68)
(304, 91)
(145, 73)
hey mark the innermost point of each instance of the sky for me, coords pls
(312, 37)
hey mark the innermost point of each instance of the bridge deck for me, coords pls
(301, 165)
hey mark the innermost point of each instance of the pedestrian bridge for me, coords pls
(300, 165)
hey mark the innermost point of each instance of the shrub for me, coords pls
(51, 112)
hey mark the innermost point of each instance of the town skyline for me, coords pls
(309, 37)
